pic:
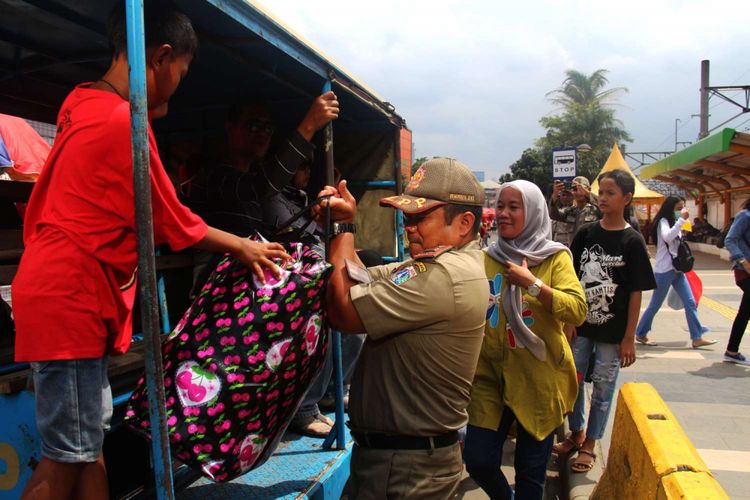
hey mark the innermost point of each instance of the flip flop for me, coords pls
(645, 341)
(583, 467)
(567, 446)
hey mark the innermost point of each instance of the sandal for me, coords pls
(645, 341)
(567, 446)
(580, 466)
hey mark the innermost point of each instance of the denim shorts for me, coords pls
(73, 408)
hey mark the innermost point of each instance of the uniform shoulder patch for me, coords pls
(432, 253)
(404, 273)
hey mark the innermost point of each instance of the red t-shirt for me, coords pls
(74, 291)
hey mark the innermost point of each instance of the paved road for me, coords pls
(710, 398)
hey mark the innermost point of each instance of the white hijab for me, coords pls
(535, 245)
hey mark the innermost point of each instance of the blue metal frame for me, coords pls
(161, 459)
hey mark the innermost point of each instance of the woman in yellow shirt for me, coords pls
(526, 372)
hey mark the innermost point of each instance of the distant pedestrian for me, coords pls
(612, 263)
(738, 244)
(562, 232)
(584, 208)
(667, 232)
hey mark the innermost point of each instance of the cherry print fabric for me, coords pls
(238, 364)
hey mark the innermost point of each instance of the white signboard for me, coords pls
(563, 163)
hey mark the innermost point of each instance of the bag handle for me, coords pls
(285, 227)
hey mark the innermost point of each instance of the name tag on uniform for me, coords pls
(357, 272)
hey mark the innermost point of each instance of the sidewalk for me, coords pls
(710, 398)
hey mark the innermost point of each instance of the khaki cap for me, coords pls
(439, 181)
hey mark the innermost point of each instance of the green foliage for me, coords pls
(586, 116)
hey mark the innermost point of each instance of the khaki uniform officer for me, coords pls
(424, 321)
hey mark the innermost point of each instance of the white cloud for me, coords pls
(470, 76)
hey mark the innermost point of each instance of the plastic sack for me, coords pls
(238, 364)
(696, 286)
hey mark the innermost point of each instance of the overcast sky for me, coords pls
(470, 77)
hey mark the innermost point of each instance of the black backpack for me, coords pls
(684, 259)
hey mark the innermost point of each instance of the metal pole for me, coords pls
(145, 238)
(704, 99)
(676, 121)
(338, 431)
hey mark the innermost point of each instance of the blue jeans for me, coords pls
(73, 408)
(483, 453)
(604, 378)
(682, 287)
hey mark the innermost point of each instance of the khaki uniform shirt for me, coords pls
(424, 320)
(574, 216)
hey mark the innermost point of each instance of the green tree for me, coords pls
(586, 115)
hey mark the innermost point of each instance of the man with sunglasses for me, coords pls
(229, 189)
(424, 321)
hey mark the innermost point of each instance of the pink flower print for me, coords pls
(240, 397)
(240, 287)
(290, 374)
(227, 446)
(276, 353)
(261, 355)
(247, 318)
(264, 292)
(290, 287)
(176, 437)
(293, 305)
(184, 337)
(219, 290)
(222, 306)
(242, 414)
(252, 426)
(311, 293)
(130, 413)
(223, 265)
(241, 303)
(202, 334)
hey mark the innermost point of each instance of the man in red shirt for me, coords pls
(80, 259)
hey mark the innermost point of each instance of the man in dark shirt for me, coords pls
(228, 193)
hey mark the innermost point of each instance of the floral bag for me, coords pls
(238, 364)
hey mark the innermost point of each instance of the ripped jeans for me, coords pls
(604, 377)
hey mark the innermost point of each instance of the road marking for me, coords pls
(720, 308)
(674, 355)
(729, 460)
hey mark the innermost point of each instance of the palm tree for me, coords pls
(579, 89)
(587, 117)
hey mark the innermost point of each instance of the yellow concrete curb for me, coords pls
(650, 455)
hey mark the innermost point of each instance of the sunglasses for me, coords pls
(258, 126)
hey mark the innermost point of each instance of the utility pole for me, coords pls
(704, 100)
(708, 91)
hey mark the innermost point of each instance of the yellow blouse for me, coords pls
(540, 393)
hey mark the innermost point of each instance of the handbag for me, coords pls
(239, 362)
